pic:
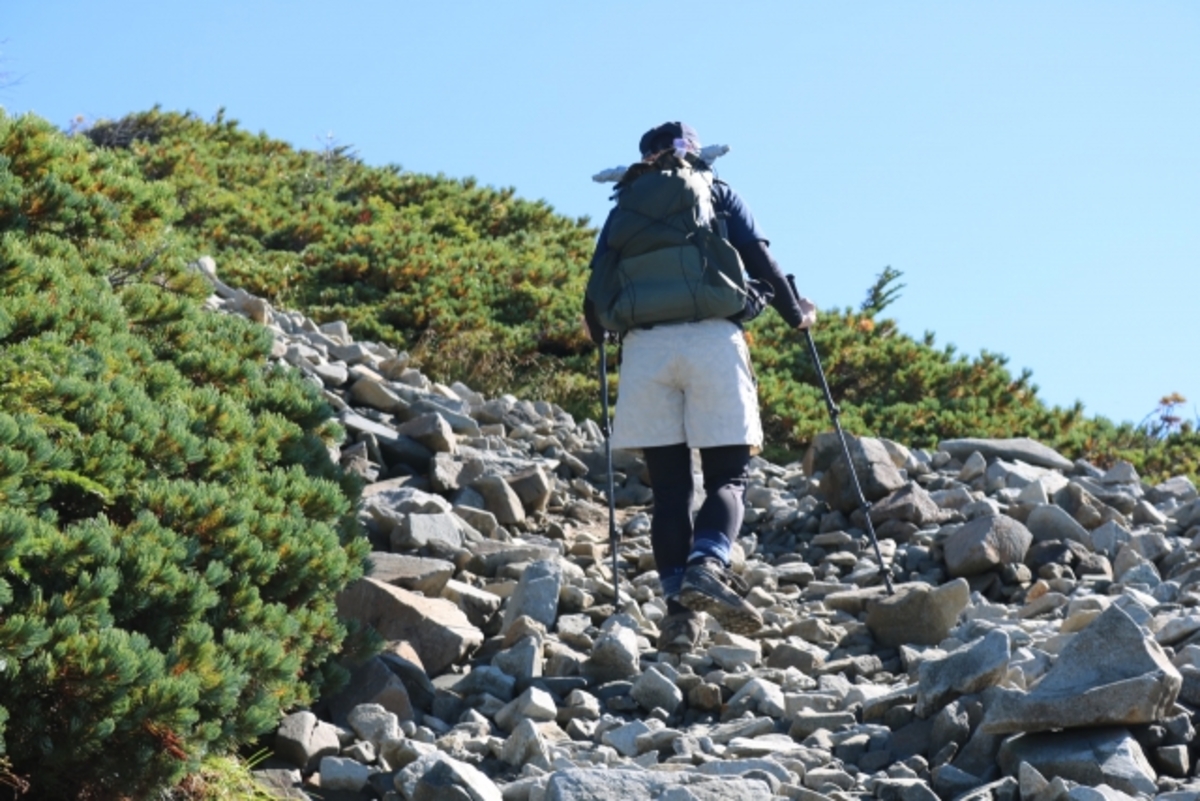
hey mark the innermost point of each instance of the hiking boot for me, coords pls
(709, 586)
(680, 632)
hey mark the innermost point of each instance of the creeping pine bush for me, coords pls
(172, 530)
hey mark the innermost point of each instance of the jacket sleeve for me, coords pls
(595, 330)
(760, 264)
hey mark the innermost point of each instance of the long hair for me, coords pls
(654, 162)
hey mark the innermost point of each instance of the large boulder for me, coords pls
(1110, 673)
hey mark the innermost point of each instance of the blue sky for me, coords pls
(1032, 168)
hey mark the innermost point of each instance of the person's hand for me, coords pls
(808, 310)
(598, 335)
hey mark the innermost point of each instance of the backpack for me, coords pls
(665, 263)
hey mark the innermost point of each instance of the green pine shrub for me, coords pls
(172, 530)
(485, 287)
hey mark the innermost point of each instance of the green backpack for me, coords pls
(665, 262)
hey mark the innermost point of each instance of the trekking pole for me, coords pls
(614, 539)
(834, 415)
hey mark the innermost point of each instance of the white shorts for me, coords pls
(686, 383)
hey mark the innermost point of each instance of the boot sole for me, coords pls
(743, 620)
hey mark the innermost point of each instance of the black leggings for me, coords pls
(725, 471)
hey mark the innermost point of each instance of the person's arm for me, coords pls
(760, 264)
(753, 247)
(596, 331)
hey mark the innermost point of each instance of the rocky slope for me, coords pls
(1043, 641)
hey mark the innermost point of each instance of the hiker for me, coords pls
(686, 380)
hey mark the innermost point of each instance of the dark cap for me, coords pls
(664, 136)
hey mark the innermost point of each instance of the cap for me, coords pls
(664, 136)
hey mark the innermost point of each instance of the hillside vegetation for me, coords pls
(172, 530)
(485, 287)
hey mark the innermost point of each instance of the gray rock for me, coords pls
(614, 656)
(970, 669)
(911, 503)
(281, 783)
(489, 556)
(951, 782)
(917, 614)
(460, 424)
(501, 500)
(1090, 492)
(1100, 792)
(1051, 522)
(398, 450)
(340, 773)
(437, 630)
(1013, 475)
(1108, 538)
(984, 544)
(532, 487)
(828, 777)
(653, 689)
(806, 723)
(904, 790)
(1110, 673)
(974, 466)
(432, 431)
(796, 653)
(374, 724)
(598, 784)
(444, 473)
(365, 392)
(302, 739)
(415, 573)
(536, 595)
(535, 704)
(477, 518)
(1174, 760)
(486, 679)
(877, 476)
(372, 682)
(729, 789)
(1177, 488)
(734, 653)
(767, 697)
(332, 375)
(441, 771)
(1101, 756)
(624, 737)
(479, 605)
(1027, 450)
(394, 495)
(1122, 472)
(523, 661)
